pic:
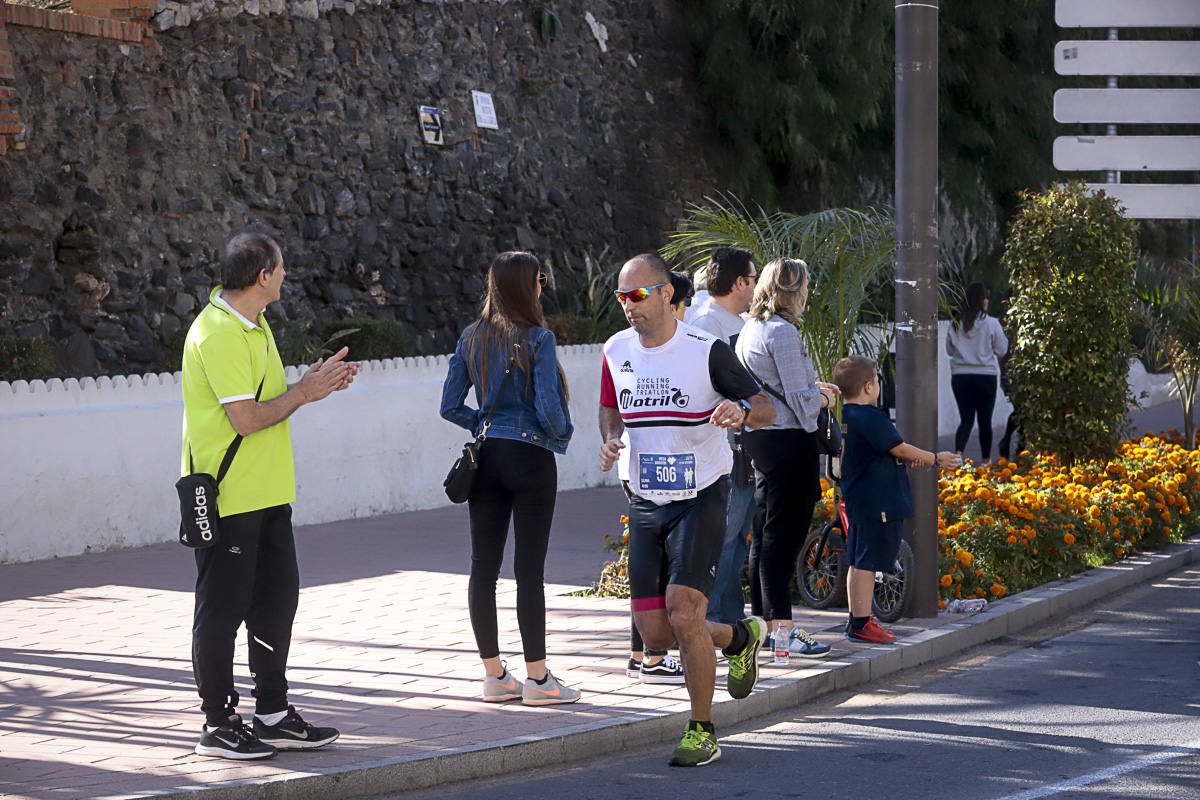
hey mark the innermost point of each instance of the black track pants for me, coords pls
(251, 577)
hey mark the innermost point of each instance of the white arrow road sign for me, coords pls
(1127, 152)
(1127, 105)
(1127, 13)
(1154, 200)
(1127, 58)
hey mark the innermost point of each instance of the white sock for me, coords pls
(271, 719)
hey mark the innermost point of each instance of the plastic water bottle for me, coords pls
(783, 645)
(970, 605)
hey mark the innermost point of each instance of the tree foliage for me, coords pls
(792, 84)
(1071, 256)
(804, 92)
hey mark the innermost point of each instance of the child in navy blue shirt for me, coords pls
(875, 486)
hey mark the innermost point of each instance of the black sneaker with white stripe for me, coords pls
(293, 733)
(235, 740)
(666, 671)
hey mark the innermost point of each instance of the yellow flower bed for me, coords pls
(1012, 525)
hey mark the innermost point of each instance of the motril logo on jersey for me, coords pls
(652, 393)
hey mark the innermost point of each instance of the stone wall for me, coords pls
(139, 162)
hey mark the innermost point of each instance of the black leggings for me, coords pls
(516, 481)
(786, 487)
(976, 397)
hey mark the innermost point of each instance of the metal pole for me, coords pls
(916, 275)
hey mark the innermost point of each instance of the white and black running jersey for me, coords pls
(666, 395)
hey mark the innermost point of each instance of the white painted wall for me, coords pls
(90, 465)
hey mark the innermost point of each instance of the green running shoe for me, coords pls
(698, 747)
(743, 665)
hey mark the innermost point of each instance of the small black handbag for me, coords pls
(199, 522)
(462, 474)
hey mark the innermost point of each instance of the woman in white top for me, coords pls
(975, 344)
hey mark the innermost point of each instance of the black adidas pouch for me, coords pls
(199, 522)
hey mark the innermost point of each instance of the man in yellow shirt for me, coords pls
(234, 385)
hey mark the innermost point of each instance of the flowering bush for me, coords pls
(614, 577)
(1013, 525)
(1009, 526)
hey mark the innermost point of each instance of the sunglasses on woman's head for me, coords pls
(543, 279)
(637, 294)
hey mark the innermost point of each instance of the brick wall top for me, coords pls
(121, 30)
(172, 14)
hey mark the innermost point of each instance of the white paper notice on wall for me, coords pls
(485, 111)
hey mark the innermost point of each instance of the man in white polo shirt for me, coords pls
(732, 276)
(234, 386)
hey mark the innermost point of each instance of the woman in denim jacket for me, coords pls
(518, 476)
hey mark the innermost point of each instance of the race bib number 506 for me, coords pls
(670, 475)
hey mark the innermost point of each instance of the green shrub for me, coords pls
(368, 338)
(1071, 257)
(26, 359)
(579, 299)
(572, 329)
(295, 340)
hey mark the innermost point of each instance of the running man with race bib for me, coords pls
(675, 389)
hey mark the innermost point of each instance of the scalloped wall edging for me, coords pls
(381, 367)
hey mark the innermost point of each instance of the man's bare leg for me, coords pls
(686, 609)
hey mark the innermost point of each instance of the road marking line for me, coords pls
(1105, 774)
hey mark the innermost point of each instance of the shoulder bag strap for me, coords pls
(507, 369)
(237, 442)
(771, 391)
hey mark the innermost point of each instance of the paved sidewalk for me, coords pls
(97, 700)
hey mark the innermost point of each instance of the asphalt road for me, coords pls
(1103, 705)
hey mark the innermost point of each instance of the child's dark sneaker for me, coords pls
(293, 733)
(871, 632)
(232, 740)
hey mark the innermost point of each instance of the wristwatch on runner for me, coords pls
(745, 404)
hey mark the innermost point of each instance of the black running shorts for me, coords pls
(677, 543)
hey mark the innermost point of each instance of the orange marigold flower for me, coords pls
(1069, 538)
(1011, 540)
(946, 580)
(624, 519)
(998, 590)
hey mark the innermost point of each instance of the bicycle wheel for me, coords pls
(892, 592)
(821, 576)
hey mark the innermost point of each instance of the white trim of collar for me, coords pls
(220, 299)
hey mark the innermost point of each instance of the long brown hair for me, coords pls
(510, 308)
(972, 307)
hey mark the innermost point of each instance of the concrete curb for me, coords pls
(791, 689)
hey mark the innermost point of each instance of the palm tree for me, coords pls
(1171, 312)
(848, 252)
